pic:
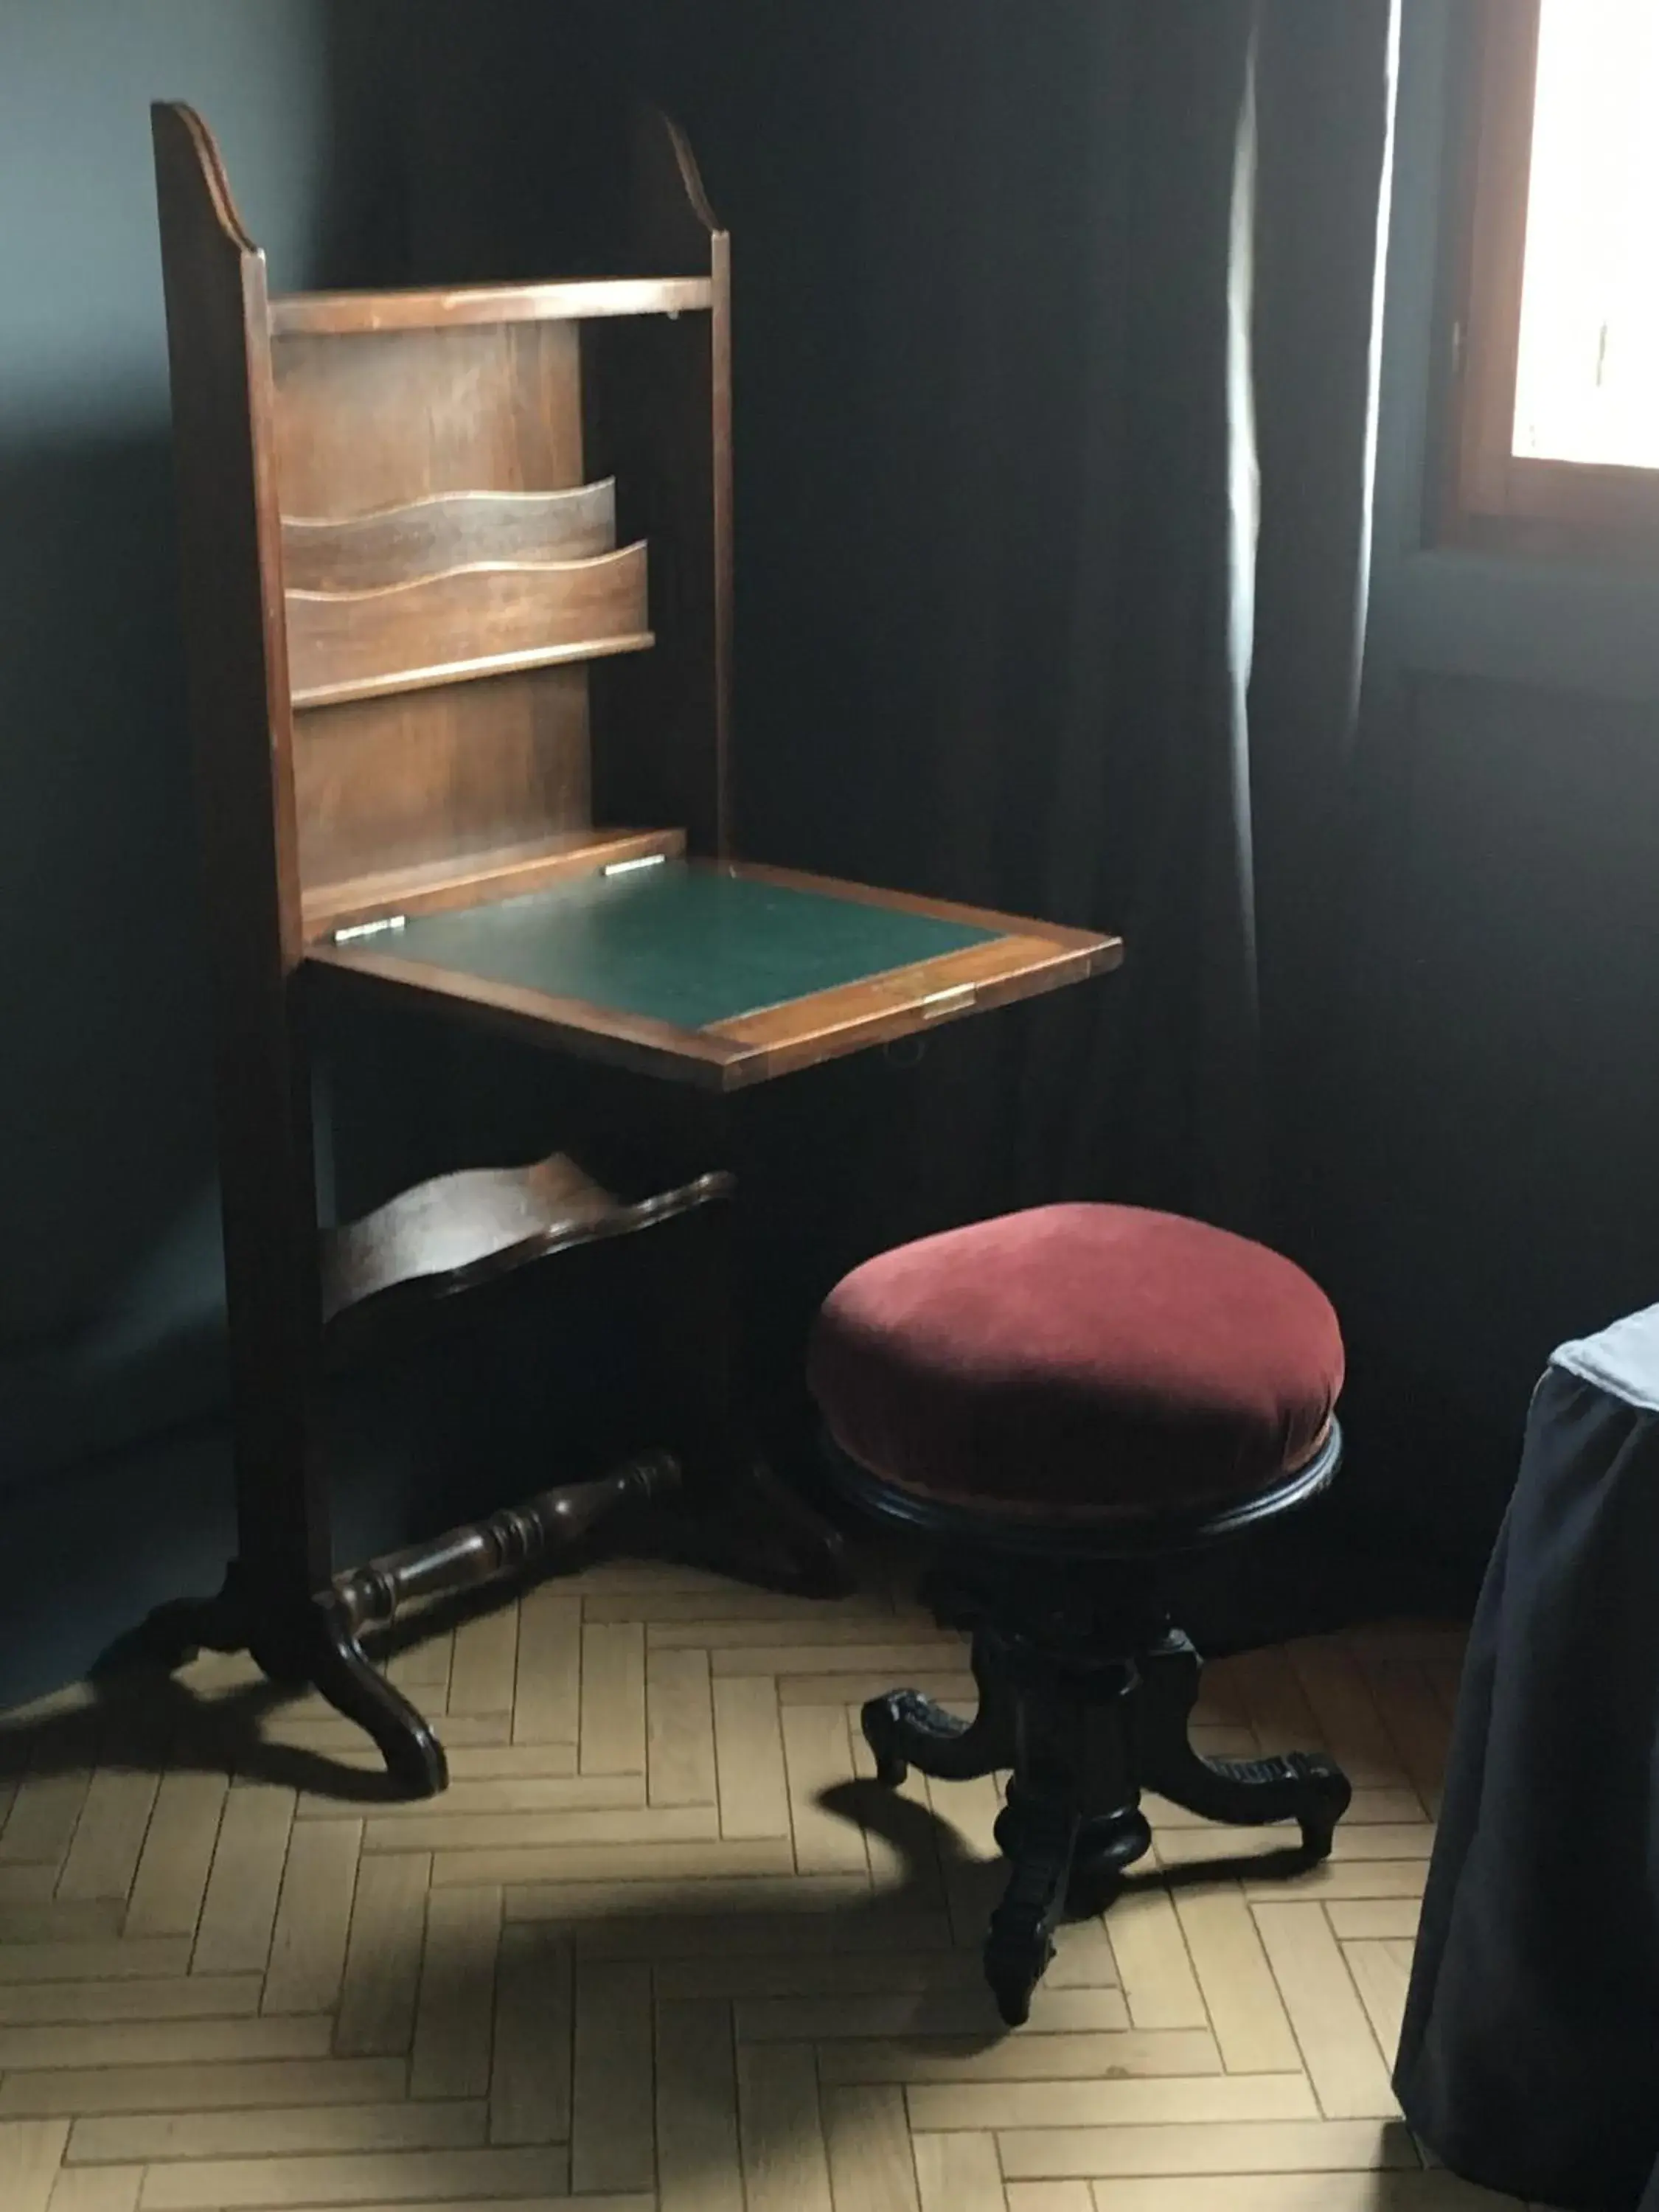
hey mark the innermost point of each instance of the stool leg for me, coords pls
(1020, 1943)
(905, 1729)
(1306, 1787)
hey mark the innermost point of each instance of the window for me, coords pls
(1556, 332)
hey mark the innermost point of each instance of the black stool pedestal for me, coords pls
(1085, 1719)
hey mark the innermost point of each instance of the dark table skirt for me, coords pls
(1530, 2055)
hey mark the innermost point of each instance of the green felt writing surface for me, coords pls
(684, 944)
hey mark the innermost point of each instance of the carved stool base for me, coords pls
(1084, 1726)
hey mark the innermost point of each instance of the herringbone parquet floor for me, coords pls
(664, 1945)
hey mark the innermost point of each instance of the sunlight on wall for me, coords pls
(1588, 383)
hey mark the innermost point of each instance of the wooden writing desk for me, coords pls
(458, 600)
(715, 974)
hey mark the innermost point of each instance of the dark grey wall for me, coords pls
(1497, 1164)
(109, 1285)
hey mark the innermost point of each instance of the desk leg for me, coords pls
(319, 1641)
(741, 1519)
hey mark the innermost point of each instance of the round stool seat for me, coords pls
(1079, 1364)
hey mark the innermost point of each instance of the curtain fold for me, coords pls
(1091, 507)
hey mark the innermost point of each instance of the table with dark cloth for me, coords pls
(1530, 2055)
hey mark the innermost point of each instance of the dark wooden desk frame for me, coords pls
(457, 601)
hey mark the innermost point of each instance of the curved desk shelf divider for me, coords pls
(356, 315)
(462, 1230)
(454, 529)
(470, 621)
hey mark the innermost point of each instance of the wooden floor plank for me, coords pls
(1382, 1974)
(546, 1703)
(872, 2165)
(1384, 1919)
(698, 2167)
(525, 1865)
(613, 1698)
(171, 1879)
(207, 2086)
(1102, 2055)
(454, 2011)
(1049, 2197)
(31, 2151)
(679, 1714)
(785, 2166)
(1205, 2101)
(156, 2043)
(313, 1918)
(1301, 2192)
(1283, 2147)
(753, 1791)
(146, 2137)
(817, 1758)
(115, 1961)
(1152, 1961)
(109, 1837)
(97, 2189)
(1245, 2008)
(1417, 1722)
(1338, 2047)
(484, 1669)
(45, 1813)
(366, 2179)
(182, 1997)
(959, 2173)
(446, 1832)
(530, 2073)
(382, 1976)
(1333, 1683)
(612, 2136)
(238, 1910)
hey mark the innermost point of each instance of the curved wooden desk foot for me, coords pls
(343, 1672)
(815, 1552)
(173, 1635)
(746, 1522)
(319, 1639)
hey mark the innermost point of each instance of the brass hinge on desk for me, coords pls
(955, 1000)
(370, 928)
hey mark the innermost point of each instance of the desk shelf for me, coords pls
(488, 619)
(355, 315)
(458, 1232)
(446, 531)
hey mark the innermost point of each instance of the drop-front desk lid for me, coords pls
(717, 975)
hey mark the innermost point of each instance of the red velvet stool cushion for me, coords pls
(1079, 1363)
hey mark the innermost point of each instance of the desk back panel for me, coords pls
(389, 787)
(404, 577)
(466, 501)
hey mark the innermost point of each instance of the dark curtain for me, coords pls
(1039, 311)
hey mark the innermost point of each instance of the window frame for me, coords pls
(1494, 497)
